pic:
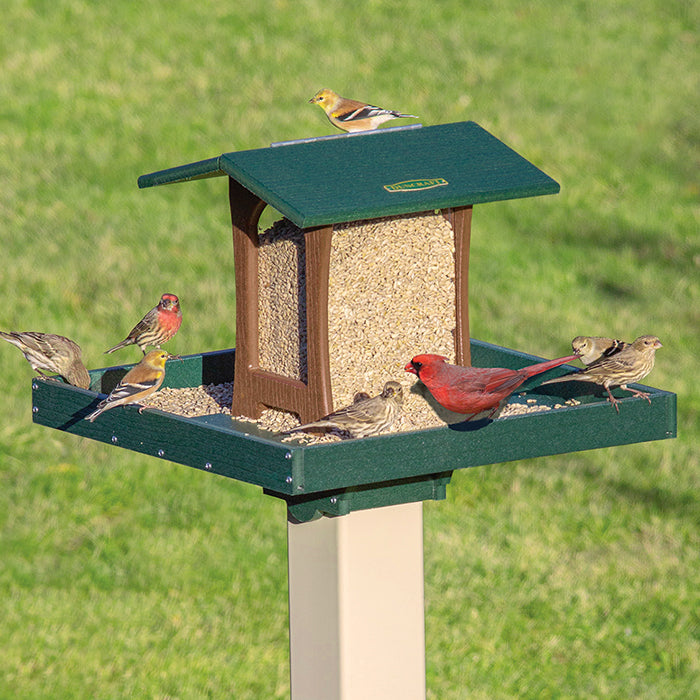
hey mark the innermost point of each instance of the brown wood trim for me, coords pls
(253, 387)
(460, 218)
(246, 209)
(318, 260)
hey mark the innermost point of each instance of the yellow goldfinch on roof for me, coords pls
(350, 115)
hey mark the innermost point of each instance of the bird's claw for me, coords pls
(614, 403)
(641, 395)
(143, 408)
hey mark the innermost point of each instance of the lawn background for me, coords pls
(566, 577)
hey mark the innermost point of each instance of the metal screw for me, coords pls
(207, 465)
(114, 439)
(334, 500)
(35, 386)
(161, 453)
(288, 455)
(35, 409)
(289, 479)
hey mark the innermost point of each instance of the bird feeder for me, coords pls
(318, 185)
(356, 596)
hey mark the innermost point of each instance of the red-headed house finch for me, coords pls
(351, 115)
(472, 390)
(365, 416)
(157, 327)
(628, 366)
(590, 348)
(52, 353)
(137, 384)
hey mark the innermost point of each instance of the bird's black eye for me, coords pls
(417, 365)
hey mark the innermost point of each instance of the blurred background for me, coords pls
(124, 576)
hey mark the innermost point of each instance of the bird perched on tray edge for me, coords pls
(473, 390)
(628, 366)
(351, 115)
(137, 384)
(366, 416)
(52, 353)
(157, 327)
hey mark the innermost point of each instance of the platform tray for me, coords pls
(335, 478)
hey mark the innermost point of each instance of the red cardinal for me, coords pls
(471, 390)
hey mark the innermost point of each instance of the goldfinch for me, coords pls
(158, 326)
(52, 353)
(137, 384)
(592, 348)
(350, 115)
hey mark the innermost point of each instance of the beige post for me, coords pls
(356, 606)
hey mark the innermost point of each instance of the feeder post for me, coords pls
(356, 605)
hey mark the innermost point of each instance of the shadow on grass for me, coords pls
(648, 246)
(658, 499)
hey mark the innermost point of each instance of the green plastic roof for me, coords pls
(366, 175)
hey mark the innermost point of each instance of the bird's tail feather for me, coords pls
(118, 346)
(101, 408)
(573, 377)
(93, 415)
(11, 338)
(316, 424)
(540, 367)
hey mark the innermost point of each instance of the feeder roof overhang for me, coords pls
(366, 175)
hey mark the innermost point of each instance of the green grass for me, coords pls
(566, 577)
